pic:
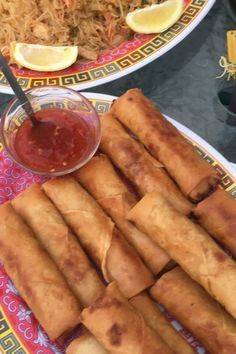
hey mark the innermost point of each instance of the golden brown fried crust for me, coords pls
(217, 214)
(190, 171)
(197, 311)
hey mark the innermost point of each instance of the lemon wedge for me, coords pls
(44, 58)
(155, 18)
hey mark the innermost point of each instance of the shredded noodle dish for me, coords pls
(92, 25)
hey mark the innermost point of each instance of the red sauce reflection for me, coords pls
(59, 142)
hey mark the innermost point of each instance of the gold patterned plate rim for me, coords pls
(19, 330)
(121, 61)
(226, 170)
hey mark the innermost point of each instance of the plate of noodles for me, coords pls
(107, 48)
(20, 331)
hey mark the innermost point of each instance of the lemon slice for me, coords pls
(44, 58)
(155, 18)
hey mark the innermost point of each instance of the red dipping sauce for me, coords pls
(59, 142)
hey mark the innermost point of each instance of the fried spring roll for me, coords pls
(116, 199)
(197, 311)
(192, 173)
(217, 214)
(86, 344)
(190, 246)
(121, 329)
(156, 320)
(138, 165)
(35, 276)
(99, 237)
(51, 230)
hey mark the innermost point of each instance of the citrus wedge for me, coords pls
(155, 18)
(44, 58)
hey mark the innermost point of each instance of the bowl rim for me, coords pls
(45, 173)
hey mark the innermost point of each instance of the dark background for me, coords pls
(183, 81)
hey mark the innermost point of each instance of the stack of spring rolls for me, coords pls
(99, 246)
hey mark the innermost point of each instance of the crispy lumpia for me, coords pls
(36, 276)
(217, 214)
(121, 329)
(49, 227)
(192, 173)
(99, 237)
(197, 311)
(85, 344)
(103, 183)
(190, 246)
(156, 320)
(137, 164)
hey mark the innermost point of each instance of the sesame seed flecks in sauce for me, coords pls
(61, 140)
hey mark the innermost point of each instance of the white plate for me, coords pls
(20, 332)
(114, 64)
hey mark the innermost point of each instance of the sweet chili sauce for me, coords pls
(60, 141)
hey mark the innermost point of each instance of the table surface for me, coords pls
(182, 82)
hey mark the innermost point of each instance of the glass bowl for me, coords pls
(47, 97)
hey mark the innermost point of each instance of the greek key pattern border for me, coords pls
(146, 50)
(9, 342)
(228, 183)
